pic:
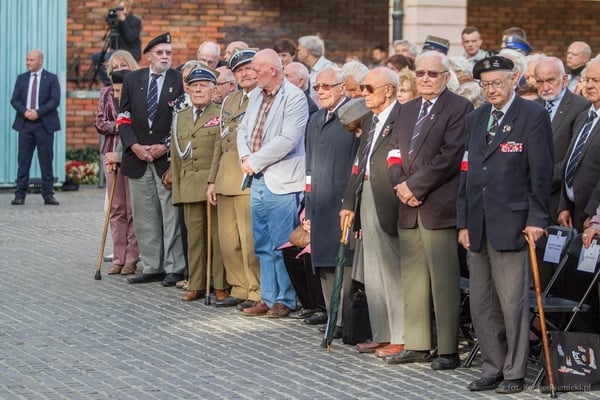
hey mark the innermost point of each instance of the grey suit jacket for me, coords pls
(281, 156)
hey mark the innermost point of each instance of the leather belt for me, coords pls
(365, 177)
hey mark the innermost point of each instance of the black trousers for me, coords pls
(306, 283)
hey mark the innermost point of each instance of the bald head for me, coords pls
(269, 70)
(238, 44)
(34, 60)
(297, 74)
(208, 53)
(578, 54)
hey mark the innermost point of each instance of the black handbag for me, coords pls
(357, 327)
(575, 361)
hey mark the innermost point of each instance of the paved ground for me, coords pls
(64, 335)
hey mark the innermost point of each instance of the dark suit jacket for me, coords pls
(432, 171)
(505, 186)
(568, 110)
(386, 202)
(586, 183)
(134, 102)
(48, 101)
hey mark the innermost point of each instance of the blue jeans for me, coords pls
(273, 218)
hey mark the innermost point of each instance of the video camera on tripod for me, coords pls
(112, 18)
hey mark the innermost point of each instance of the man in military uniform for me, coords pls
(224, 190)
(193, 135)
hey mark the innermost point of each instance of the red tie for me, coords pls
(34, 93)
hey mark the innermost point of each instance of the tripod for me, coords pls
(111, 40)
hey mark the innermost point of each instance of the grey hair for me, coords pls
(355, 70)
(442, 57)
(517, 58)
(412, 48)
(339, 74)
(314, 44)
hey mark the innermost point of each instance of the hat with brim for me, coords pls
(202, 74)
(351, 111)
(436, 43)
(164, 38)
(240, 57)
(518, 43)
(494, 63)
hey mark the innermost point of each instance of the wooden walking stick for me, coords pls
(208, 253)
(111, 195)
(542, 317)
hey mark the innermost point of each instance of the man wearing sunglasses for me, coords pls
(427, 146)
(145, 121)
(369, 201)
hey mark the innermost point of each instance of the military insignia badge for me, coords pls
(511, 147)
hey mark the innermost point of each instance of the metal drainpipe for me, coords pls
(397, 19)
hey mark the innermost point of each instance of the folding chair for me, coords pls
(554, 304)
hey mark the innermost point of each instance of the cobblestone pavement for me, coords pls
(64, 335)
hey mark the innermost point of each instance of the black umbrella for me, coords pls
(334, 304)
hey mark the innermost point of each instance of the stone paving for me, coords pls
(64, 335)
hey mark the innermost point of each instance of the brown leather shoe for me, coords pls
(115, 269)
(389, 350)
(278, 310)
(221, 294)
(192, 295)
(129, 269)
(370, 347)
(259, 308)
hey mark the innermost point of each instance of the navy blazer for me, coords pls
(432, 170)
(505, 186)
(48, 101)
(134, 102)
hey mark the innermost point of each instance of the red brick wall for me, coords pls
(550, 25)
(347, 28)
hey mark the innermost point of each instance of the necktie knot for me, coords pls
(155, 76)
(328, 116)
(592, 115)
(375, 119)
(549, 106)
(497, 115)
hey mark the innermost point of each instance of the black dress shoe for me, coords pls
(228, 301)
(408, 356)
(51, 201)
(147, 278)
(302, 313)
(318, 318)
(18, 201)
(444, 362)
(484, 383)
(510, 386)
(171, 279)
(244, 304)
(338, 332)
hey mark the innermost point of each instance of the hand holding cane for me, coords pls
(540, 306)
(113, 187)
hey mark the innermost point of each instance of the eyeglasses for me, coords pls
(224, 83)
(595, 81)
(497, 84)
(326, 86)
(431, 74)
(161, 52)
(370, 89)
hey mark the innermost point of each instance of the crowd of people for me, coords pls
(439, 164)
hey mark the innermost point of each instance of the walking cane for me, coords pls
(208, 253)
(540, 306)
(106, 221)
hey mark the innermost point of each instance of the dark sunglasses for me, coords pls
(370, 89)
(431, 74)
(325, 86)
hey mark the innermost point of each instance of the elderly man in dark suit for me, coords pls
(504, 190)
(580, 192)
(427, 147)
(563, 108)
(36, 98)
(369, 199)
(144, 123)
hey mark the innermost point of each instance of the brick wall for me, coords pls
(550, 25)
(348, 28)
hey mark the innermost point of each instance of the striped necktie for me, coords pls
(153, 97)
(419, 126)
(578, 149)
(491, 133)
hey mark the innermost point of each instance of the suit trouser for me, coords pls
(499, 289)
(237, 246)
(194, 215)
(430, 267)
(306, 283)
(32, 136)
(157, 224)
(382, 274)
(125, 246)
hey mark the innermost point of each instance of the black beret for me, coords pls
(118, 76)
(202, 74)
(164, 38)
(494, 63)
(240, 57)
